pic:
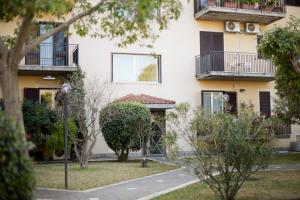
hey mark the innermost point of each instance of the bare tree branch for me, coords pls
(15, 56)
(61, 27)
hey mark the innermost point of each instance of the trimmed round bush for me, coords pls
(124, 126)
(16, 175)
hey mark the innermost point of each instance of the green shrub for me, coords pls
(39, 120)
(124, 126)
(55, 144)
(16, 176)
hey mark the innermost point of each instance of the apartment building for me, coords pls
(209, 53)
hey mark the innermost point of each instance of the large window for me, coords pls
(212, 102)
(136, 68)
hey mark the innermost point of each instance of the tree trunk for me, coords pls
(11, 100)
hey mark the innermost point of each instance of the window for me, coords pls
(47, 96)
(212, 102)
(136, 68)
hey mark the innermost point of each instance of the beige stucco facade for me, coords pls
(178, 46)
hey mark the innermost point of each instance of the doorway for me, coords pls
(156, 147)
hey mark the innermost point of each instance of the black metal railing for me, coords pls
(262, 5)
(235, 62)
(282, 130)
(53, 55)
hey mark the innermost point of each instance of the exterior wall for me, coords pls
(37, 82)
(178, 47)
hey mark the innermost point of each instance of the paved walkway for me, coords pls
(137, 189)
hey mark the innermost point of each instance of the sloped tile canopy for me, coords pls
(149, 101)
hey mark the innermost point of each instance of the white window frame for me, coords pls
(158, 81)
(212, 100)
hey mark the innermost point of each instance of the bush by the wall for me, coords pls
(39, 120)
(124, 126)
(16, 176)
(55, 144)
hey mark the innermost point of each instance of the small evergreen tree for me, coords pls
(125, 126)
(16, 176)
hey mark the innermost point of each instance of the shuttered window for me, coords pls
(265, 103)
(32, 94)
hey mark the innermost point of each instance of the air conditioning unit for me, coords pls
(232, 27)
(252, 28)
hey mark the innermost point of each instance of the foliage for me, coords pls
(149, 73)
(56, 142)
(282, 46)
(39, 120)
(234, 147)
(46, 98)
(124, 125)
(16, 176)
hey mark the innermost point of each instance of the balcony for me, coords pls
(50, 59)
(282, 130)
(264, 12)
(219, 65)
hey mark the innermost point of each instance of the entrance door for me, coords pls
(156, 147)
(265, 103)
(213, 43)
(232, 101)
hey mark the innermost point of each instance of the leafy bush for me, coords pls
(38, 120)
(233, 146)
(124, 126)
(16, 176)
(55, 144)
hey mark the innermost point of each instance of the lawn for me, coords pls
(288, 158)
(275, 185)
(96, 175)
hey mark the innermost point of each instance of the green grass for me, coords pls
(275, 185)
(289, 158)
(96, 175)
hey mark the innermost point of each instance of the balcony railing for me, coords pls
(282, 130)
(48, 55)
(228, 65)
(265, 11)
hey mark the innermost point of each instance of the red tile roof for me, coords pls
(144, 99)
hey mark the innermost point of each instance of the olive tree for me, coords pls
(228, 148)
(124, 126)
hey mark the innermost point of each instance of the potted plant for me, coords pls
(267, 5)
(211, 3)
(231, 3)
(249, 4)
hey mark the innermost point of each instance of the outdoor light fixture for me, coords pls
(226, 97)
(49, 78)
(66, 88)
(242, 90)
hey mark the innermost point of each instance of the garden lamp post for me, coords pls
(66, 88)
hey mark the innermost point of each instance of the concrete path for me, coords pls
(137, 189)
(141, 188)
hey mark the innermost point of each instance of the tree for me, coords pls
(125, 126)
(149, 73)
(228, 148)
(282, 46)
(128, 20)
(84, 105)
